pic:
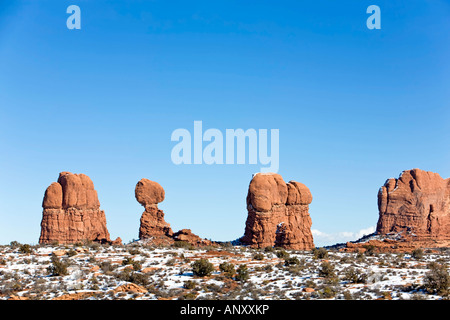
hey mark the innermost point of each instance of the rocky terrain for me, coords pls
(181, 271)
(407, 257)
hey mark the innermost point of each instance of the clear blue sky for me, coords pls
(353, 106)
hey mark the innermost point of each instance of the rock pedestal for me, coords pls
(149, 194)
(72, 212)
(153, 227)
(278, 213)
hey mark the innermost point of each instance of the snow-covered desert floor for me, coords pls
(138, 271)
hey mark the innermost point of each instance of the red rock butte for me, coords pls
(278, 213)
(72, 212)
(417, 204)
(153, 228)
(414, 212)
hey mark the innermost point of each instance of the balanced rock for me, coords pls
(278, 213)
(149, 193)
(153, 228)
(72, 212)
(416, 204)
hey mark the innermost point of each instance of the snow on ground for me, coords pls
(139, 271)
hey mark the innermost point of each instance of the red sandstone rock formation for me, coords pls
(72, 212)
(381, 246)
(414, 212)
(187, 236)
(153, 227)
(278, 213)
(149, 194)
(418, 202)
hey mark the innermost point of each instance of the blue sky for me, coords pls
(353, 106)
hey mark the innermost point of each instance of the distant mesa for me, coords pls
(72, 212)
(414, 211)
(278, 213)
(153, 228)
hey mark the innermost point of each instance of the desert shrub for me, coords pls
(360, 257)
(268, 268)
(189, 296)
(78, 244)
(211, 287)
(171, 262)
(291, 261)
(353, 275)
(326, 270)
(25, 248)
(72, 253)
(227, 268)
(14, 244)
(345, 259)
(189, 284)
(129, 261)
(134, 251)
(226, 245)
(258, 256)
(437, 279)
(183, 244)
(106, 266)
(136, 265)
(417, 253)
(202, 268)
(327, 292)
(128, 275)
(242, 273)
(94, 246)
(347, 295)
(310, 284)
(269, 249)
(282, 254)
(296, 269)
(58, 267)
(370, 250)
(320, 253)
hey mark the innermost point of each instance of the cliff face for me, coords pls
(417, 203)
(72, 212)
(278, 213)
